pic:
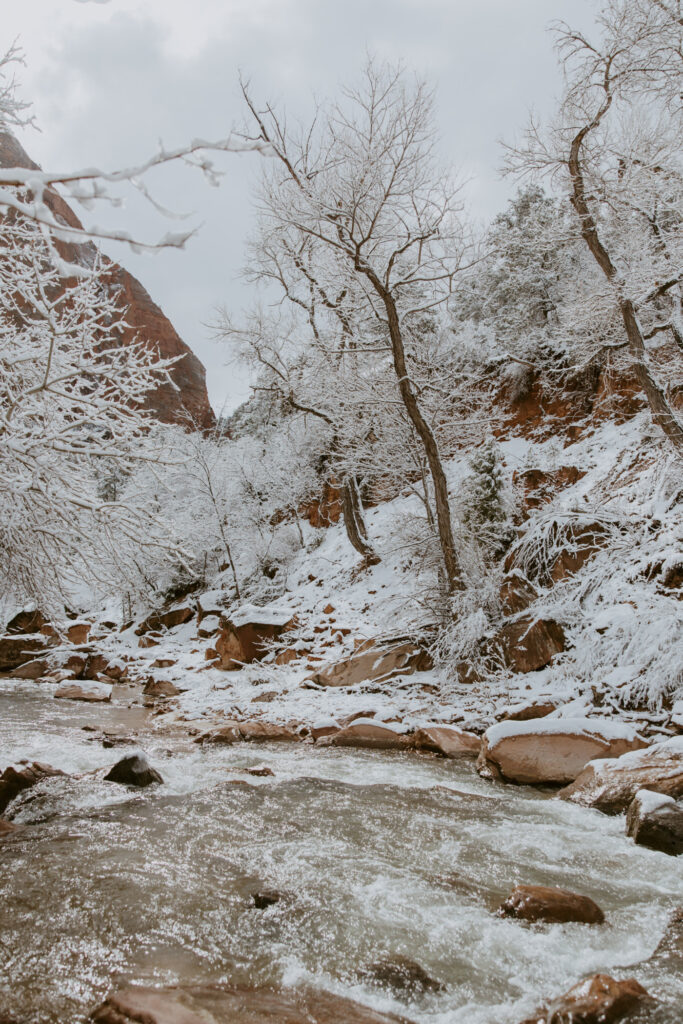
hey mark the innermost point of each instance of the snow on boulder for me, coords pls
(87, 690)
(552, 749)
(376, 664)
(656, 821)
(528, 644)
(447, 740)
(366, 732)
(165, 620)
(16, 650)
(610, 786)
(245, 636)
(210, 624)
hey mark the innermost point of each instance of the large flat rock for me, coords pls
(234, 1005)
(552, 750)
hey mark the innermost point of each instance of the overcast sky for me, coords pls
(108, 79)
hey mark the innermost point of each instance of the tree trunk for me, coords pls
(662, 413)
(451, 562)
(354, 524)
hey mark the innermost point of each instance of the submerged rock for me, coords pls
(553, 750)
(546, 903)
(610, 786)
(133, 770)
(656, 821)
(213, 1004)
(88, 690)
(401, 975)
(266, 898)
(596, 1000)
(22, 776)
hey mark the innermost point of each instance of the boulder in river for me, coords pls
(401, 975)
(87, 690)
(448, 741)
(596, 1000)
(656, 821)
(265, 898)
(22, 776)
(552, 750)
(365, 732)
(133, 770)
(610, 786)
(213, 1004)
(546, 903)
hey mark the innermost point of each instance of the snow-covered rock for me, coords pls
(366, 732)
(447, 740)
(87, 690)
(656, 821)
(610, 786)
(552, 749)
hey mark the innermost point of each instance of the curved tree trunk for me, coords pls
(354, 524)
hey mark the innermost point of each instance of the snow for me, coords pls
(649, 801)
(603, 728)
(265, 616)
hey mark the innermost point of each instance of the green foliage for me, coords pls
(485, 505)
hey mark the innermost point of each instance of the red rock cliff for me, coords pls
(188, 402)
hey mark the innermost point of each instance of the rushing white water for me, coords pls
(375, 854)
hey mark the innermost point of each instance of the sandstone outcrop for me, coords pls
(184, 398)
(17, 649)
(547, 903)
(656, 821)
(213, 1004)
(165, 620)
(552, 750)
(610, 786)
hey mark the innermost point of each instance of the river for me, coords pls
(374, 854)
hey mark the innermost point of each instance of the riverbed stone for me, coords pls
(21, 776)
(133, 770)
(596, 1000)
(214, 1004)
(401, 975)
(89, 690)
(7, 828)
(160, 688)
(368, 733)
(656, 821)
(547, 903)
(552, 750)
(447, 740)
(610, 786)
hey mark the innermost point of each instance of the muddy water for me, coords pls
(374, 855)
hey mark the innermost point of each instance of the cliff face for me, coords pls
(186, 401)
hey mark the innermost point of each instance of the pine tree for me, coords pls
(484, 507)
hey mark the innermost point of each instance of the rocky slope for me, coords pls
(186, 403)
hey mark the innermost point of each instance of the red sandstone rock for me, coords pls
(448, 741)
(187, 402)
(22, 776)
(546, 903)
(529, 645)
(596, 1000)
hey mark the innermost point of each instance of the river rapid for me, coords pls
(374, 854)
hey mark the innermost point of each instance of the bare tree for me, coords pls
(363, 182)
(615, 146)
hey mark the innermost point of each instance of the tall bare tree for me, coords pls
(615, 146)
(363, 182)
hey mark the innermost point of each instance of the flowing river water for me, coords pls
(375, 854)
